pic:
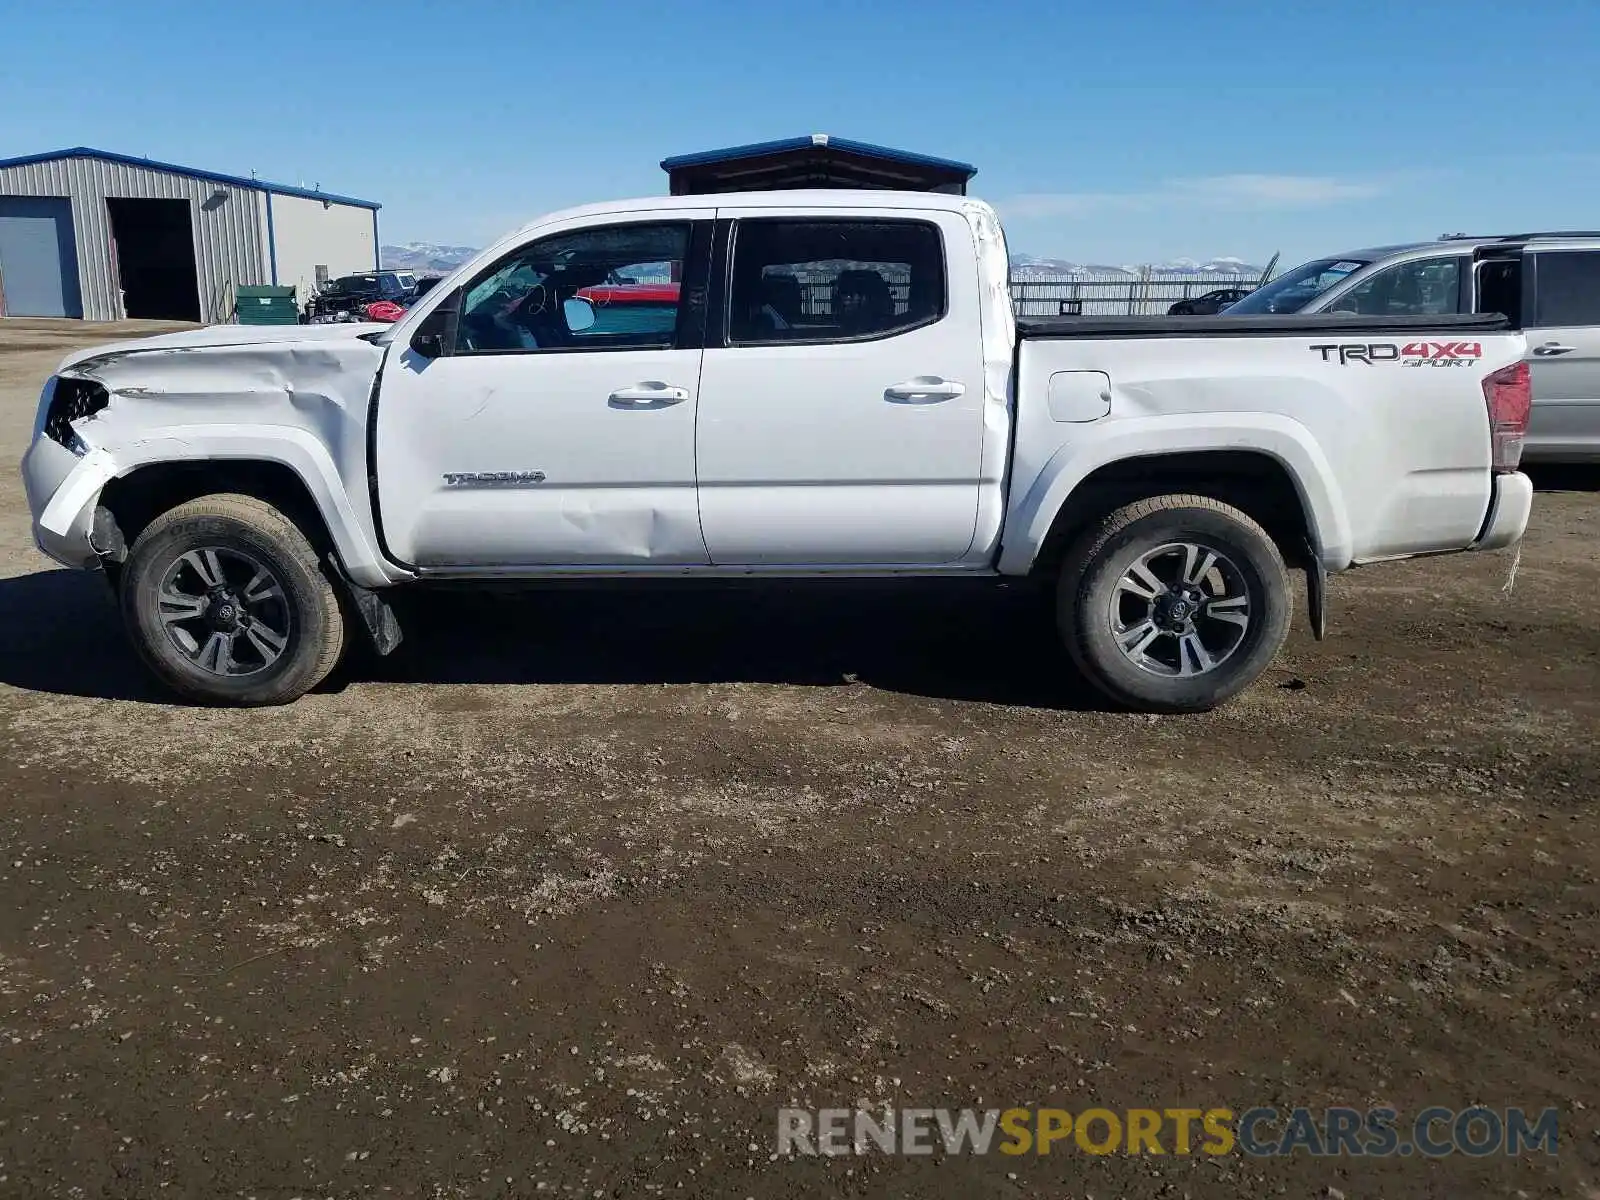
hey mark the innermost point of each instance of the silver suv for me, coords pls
(1548, 284)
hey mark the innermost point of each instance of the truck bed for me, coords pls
(1285, 325)
(1382, 423)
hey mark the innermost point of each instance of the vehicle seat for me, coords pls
(780, 294)
(862, 302)
(1407, 294)
(922, 297)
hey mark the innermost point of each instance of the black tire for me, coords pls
(242, 533)
(1092, 604)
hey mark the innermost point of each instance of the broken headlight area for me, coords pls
(72, 400)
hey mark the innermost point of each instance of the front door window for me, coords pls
(622, 276)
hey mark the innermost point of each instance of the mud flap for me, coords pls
(106, 540)
(1317, 593)
(381, 624)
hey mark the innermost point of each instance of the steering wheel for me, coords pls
(540, 314)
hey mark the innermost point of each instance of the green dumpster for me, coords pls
(262, 304)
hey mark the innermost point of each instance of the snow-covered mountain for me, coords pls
(1223, 265)
(1027, 264)
(426, 256)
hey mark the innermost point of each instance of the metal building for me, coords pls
(86, 233)
(817, 161)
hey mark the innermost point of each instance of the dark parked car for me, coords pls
(1210, 302)
(345, 298)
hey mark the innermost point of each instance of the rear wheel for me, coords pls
(226, 603)
(1174, 604)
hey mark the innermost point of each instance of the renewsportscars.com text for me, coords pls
(1260, 1132)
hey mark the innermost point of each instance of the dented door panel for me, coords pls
(526, 460)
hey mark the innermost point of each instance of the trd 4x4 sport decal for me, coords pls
(1412, 354)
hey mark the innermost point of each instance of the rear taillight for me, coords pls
(1509, 394)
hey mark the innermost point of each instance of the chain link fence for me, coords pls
(1109, 294)
(1146, 293)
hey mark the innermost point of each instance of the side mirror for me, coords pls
(436, 336)
(578, 313)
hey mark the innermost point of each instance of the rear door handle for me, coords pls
(925, 389)
(650, 394)
(1552, 349)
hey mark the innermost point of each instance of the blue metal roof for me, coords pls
(821, 141)
(150, 164)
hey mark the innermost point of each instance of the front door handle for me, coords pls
(650, 394)
(925, 389)
(1552, 349)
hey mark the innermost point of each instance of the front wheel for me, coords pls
(226, 603)
(1174, 603)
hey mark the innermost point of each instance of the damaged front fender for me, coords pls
(297, 397)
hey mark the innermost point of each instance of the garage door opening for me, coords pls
(154, 242)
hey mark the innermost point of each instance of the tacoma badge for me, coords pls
(458, 479)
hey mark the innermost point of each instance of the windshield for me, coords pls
(1293, 291)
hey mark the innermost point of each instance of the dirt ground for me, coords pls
(573, 892)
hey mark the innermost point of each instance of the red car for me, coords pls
(632, 307)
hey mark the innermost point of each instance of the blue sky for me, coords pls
(1117, 132)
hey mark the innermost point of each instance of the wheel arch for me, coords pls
(1265, 464)
(143, 494)
(285, 476)
(1252, 481)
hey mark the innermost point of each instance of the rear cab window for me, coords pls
(820, 280)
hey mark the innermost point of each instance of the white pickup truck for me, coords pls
(770, 384)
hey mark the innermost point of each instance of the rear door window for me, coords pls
(828, 280)
(1566, 288)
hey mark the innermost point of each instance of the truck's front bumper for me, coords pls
(1509, 508)
(62, 489)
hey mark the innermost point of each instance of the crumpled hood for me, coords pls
(273, 337)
